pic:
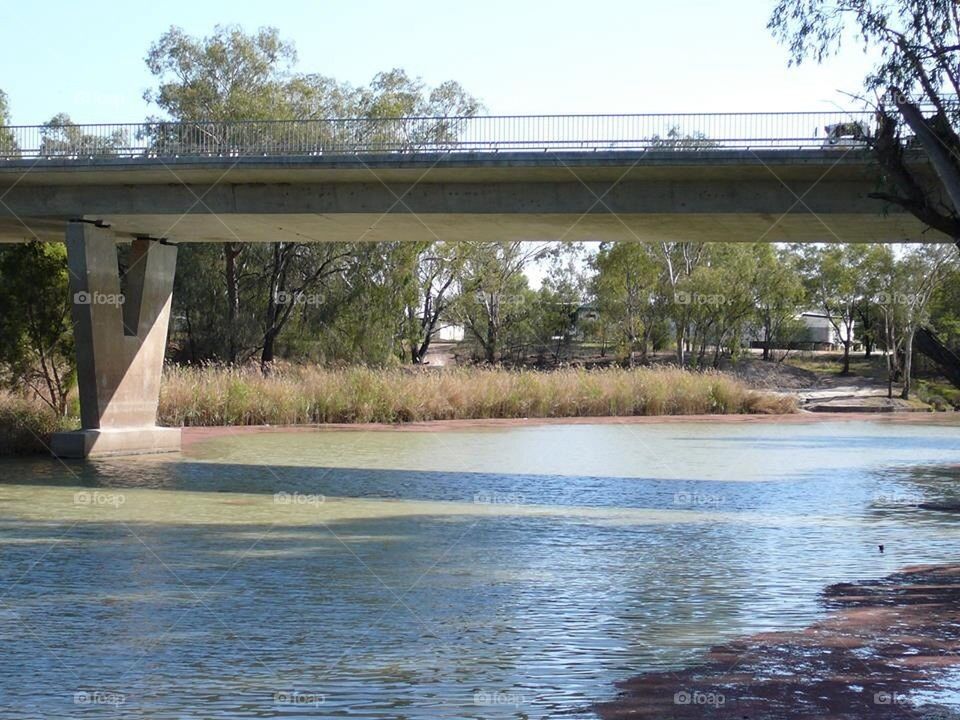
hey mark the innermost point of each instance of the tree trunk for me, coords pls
(907, 364)
(767, 339)
(491, 344)
(846, 357)
(267, 356)
(230, 252)
(680, 348)
(938, 153)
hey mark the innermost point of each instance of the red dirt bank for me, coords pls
(884, 640)
(192, 435)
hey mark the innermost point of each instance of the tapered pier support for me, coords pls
(120, 339)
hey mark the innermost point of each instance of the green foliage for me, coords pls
(495, 301)
(629, 293)
(26, 426)
(914, 37)
(228, 75)
(351, 295)
(8, 144)
(61, 136)
(945, 308)
(36, 354)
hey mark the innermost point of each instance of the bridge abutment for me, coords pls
(120, 339)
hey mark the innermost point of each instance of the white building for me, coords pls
(821, 333)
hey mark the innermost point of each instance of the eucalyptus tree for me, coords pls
(8, 143)
(205, 82)
(438, 268)
(722, 300)
(210, 83)
(831, 275)
(916, 79)
(912, 280)
(779, 297)
(494, 294)
(678, 261)
(37, 349)
(626, 285)
(60, 137)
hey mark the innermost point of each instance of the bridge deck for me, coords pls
(810, 194)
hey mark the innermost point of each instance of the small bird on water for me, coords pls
(881, 548)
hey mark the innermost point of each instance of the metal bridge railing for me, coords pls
(305, 138)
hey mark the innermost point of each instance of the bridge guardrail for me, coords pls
(511, 133)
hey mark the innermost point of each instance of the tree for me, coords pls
(678, 261)
(917, 42)
(778, 297)
(228, 75)
(8, 143)
(831, 275)
(208, 83)
(559, 305)
(722, 299)
(626, 286)
(37, 348)
(494, 294)
(871, 266)
(910, 283)
(61, 136)
(438, 268)
(295, 278)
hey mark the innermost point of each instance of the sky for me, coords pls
(517, 56)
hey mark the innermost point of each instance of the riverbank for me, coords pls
(26, 426)
(295, 395)
(883, 642)
(196, 434)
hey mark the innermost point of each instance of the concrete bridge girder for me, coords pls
(806, 196)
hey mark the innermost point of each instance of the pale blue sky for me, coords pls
(519, 56)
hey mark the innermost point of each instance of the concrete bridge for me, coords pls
(800, 177)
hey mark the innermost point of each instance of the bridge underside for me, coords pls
(717, 196)
(410, 225)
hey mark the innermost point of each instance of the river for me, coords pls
(501, 572)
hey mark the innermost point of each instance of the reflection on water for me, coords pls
(426, 575)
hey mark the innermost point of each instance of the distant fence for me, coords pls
(506, 133)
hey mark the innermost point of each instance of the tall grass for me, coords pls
(26, 425)
(303, 395)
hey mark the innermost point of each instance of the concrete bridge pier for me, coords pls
(120, 341)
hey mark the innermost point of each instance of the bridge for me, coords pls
(799, 177)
